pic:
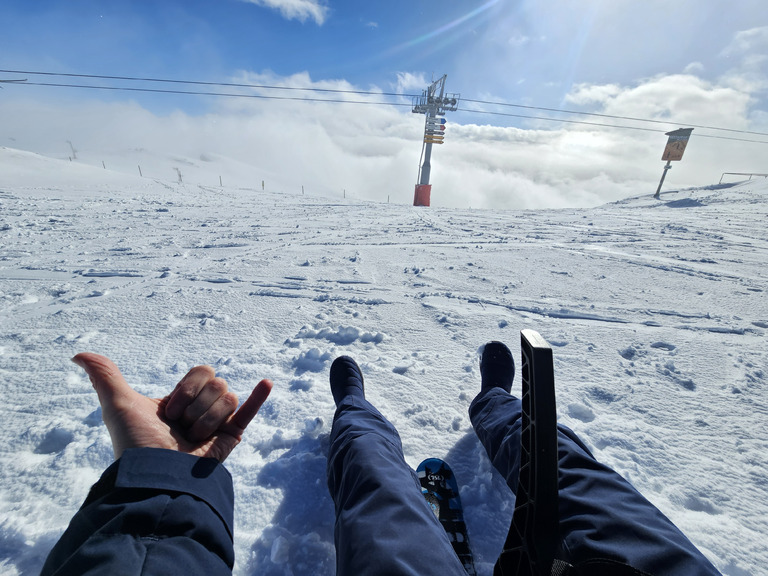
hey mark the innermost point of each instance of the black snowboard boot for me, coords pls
(497, 368)
(346, 379)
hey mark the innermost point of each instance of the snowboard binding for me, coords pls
(441, 491)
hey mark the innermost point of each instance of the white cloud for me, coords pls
(518, 39)
(409, 82)
(297, 80)
(677, 98)
(749, 50)
(748, 41)
(296, 9)
(584, 94)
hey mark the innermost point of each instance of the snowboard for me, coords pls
(441, 490)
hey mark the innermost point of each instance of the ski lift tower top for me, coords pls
(433, 102)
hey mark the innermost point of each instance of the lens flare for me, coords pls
(442, 31)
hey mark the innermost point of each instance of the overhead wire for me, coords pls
(203, 83)
(615, 117)
(224, 94)
(622, 126)
(364, 102)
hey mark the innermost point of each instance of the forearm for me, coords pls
(152, 512)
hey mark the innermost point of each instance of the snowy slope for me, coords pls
(656, 311)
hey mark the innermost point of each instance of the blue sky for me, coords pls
(522, 51)
(698, 61)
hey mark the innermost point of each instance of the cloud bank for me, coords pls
(372, 152)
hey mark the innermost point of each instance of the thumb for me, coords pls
(106, 378)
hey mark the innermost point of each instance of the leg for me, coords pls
(601, 514)
(383, 523)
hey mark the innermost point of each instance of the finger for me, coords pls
(217, 415)
(205, 400)
(228, 435)
(187, 390)
(106, 379)
(251, 406)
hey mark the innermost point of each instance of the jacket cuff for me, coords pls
(171, 471)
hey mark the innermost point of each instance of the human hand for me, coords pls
(197, 418)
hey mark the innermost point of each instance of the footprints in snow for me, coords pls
(54, 441)
(637, 360)
(313, 349)
(313, 359)
(664, 367)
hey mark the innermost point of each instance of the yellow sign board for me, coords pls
(678, 139)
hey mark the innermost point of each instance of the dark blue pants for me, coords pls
(383, 523)
(384, 526)
(601, 514)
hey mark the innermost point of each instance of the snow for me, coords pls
(656, 310)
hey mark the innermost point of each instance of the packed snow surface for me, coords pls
(656, 310)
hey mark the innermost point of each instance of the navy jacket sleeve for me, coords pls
(152, 512)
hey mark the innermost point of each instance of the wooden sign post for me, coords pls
(678, 140)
